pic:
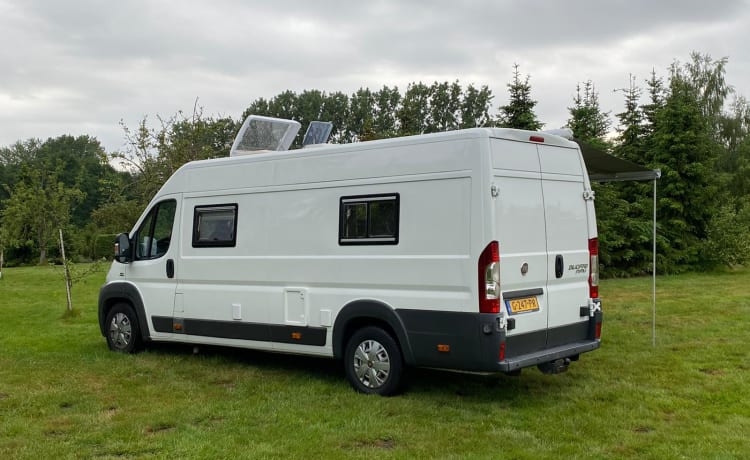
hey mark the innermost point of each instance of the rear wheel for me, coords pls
(373, 363)
(122, 330)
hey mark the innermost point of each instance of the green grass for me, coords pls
(64, 395)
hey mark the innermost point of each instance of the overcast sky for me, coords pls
(80, 66)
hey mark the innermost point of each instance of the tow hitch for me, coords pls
(557, 366)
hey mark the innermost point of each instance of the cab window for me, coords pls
(155, 233)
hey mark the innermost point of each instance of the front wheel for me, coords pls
(123, 332)
(373, 363)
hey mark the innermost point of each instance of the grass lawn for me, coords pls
(64, 395)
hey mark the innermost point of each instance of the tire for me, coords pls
(122, 330)
(373, 363)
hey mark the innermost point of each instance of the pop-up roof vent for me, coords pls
(565, 133)
(317, 133)
(259, 134)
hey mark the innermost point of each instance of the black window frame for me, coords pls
(367, 199)
(153, 213)
(197, 243)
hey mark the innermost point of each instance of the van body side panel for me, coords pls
(288, 268)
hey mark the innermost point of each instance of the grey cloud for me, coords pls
(86, 63)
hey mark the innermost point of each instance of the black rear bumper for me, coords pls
(548, 354)
(475, 342)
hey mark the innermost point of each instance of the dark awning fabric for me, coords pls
(604, 167)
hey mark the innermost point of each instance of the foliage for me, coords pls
(38, 206)
(519, 112)
(587, 121)
(685, 152)
(152, 155)
(682, 123)
(727, 238)
(368, 115)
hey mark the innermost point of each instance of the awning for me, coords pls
(604, 167)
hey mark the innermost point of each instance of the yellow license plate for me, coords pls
(522, 305)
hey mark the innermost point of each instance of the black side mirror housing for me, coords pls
(122, 248)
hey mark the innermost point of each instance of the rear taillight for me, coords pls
(489, 279)
(594, 268)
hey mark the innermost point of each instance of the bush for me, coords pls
(102, 247)
(728, 241)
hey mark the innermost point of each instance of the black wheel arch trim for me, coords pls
(112, 293)
(362, 310)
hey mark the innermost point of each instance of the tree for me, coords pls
(624, 210)
(385, 121)
(657, 94)
(630, 128)
(587, 121)
(475, 106)
(38, 206)
(707, 78)
(413, 116)
(152, 155)
(445, 107)
(80, 162)
(519, 112)
(360, 120)
(336, 110)
(685, 151)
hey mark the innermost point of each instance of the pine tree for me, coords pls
(656, 93)
(624, 209)
(519, 112)
(587, 121)
(685, 151)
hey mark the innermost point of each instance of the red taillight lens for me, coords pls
(489, 279)
(594, 268)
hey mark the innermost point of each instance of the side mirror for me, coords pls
(122, 248)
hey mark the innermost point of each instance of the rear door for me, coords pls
(563, 186)
(520, 228)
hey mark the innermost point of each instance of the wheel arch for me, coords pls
(361, 313)
(113, 293)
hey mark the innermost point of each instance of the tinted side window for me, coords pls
(153, 237)
(369, 219)
(215, 226)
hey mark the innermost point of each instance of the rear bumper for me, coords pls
(476, 342)
(549, 354)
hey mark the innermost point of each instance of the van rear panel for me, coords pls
(541, 223)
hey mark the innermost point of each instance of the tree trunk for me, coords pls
(68, 283)
(42, 247)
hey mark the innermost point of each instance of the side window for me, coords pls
(215, 226)
(155, 233)
(369, 219)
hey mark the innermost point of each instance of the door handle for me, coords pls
(170, 268)
(559, 266)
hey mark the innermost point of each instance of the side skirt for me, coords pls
(245, 331)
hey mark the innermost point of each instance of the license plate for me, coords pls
(522, 305)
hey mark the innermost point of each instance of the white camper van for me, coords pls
(471, 250)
